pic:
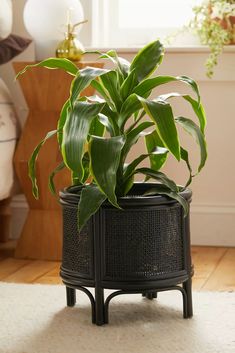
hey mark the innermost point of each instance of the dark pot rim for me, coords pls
(70, 195)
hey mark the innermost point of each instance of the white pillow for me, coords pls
(7, 141)
(5, 18)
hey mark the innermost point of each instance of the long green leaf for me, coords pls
(147, 59)
(75, 134)
(128, 85)
(111, 84)
(105, 156)
(51, 183)
(199, 111)
(96, 127)
(98, 86)
(161, 113)
(149, 84)
(127, 185)
(32, 163)
(53, 63)
(104, 120)
(90, 201)
(195, 131)
(184, 157)
(133, 136)
(159, 176)
(130, 106)
(123, 64)
(108, 121)
(198, 108)
(86, 167)
(113, 118)
(61, 121)
(162, 190)
(83, 80)
(153, 140)
(130, 169)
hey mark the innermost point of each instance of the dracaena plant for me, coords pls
(95, 134)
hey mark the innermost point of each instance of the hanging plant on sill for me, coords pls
(214, 23)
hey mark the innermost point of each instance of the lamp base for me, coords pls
(45, 49)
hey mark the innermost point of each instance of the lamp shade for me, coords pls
(45, 21)
(5, 18)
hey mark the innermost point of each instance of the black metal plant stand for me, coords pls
(144, 249)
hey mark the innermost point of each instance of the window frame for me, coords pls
(107, 33)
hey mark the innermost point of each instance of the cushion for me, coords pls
(7, 141)
(12, 46)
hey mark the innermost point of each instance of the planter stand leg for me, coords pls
(71, 296)
(188, 304)
(99, 306)
(149, 295)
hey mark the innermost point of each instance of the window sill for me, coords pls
(169, 49)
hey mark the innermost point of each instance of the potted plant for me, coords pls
(120, 234)
(214, 23)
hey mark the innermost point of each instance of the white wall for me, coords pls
(213, 207)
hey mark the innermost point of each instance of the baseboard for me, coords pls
(19, 209)
(212, 225)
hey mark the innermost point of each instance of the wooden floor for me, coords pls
(214, 269)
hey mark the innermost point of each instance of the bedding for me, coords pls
(8, 137)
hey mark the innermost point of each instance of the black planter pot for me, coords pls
(143, 248)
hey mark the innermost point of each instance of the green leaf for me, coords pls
(32, 163)
(149, 84)
(111, 84)
(130, 169)
(102, 91)
(113, 118)
(162, 190)
(161, 113)
(130, 106)
(147, 59)
(90, 201)
(107, 121)
(128, 85)
(105, 156)
(104, 120)
(127, 185)
(159, 176)
(75, 134)
(199, 111)
(86, 167)
(195, 131)
(157, 160)
(123, 64)
(53, 63)
(83, 80)
(184, 157)
(133, 136)
(96, 127)
(61, 121)
(51, 184)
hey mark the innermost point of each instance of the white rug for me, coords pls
(34, 319)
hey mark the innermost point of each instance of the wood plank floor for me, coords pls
(214, 269)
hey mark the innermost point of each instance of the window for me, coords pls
(134, 22)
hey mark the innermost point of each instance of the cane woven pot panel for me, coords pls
(142, 244)
(77, 248)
